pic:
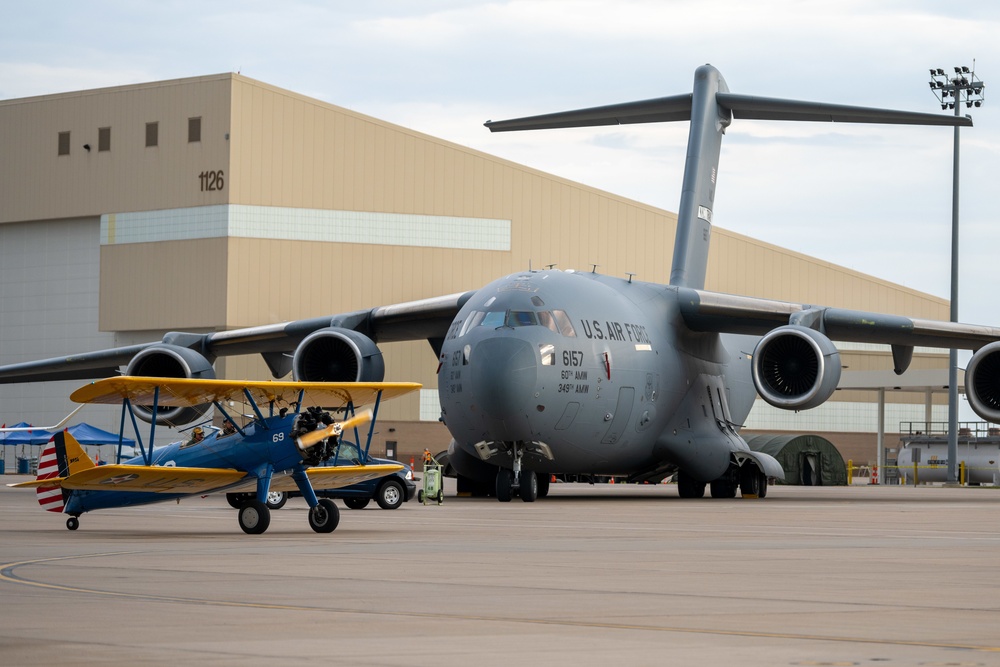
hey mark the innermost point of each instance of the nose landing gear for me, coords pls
(519, 481)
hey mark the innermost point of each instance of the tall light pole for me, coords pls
(952, 91)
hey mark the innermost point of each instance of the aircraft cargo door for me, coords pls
(623, 411)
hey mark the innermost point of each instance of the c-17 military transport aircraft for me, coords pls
(554, 371)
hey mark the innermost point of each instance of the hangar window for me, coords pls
(194, 130)
(103, 139)
(64, 143)
(152, 134)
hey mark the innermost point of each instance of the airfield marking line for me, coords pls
(6, 574)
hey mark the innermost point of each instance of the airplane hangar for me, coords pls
(220, 202)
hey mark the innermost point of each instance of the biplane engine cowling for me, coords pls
(795, 368)
(338, 355)
(170, 361)
(982, 382)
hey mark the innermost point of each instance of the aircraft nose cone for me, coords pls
(505, 376)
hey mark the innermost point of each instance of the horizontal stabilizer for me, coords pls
(746, 107)
(769, 108)
(658, 110)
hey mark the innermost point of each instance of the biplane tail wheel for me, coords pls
(324, 517)
(254, 517)
(72, 523)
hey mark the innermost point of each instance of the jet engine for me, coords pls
(795, 368)
(982, 382)
(170, 361)
(338, 355)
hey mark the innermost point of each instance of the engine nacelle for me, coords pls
(338, 355)
(170, 361)
(982, 382)
(795, 368)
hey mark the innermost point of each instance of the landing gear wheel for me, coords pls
(72, 523)
(749, 480)
(762, 486)
(543, 485)
(688, 487)
(276, 500)
(324, 517)
(529, 486)
(358, 503)
(505, 484)
(390, 495)
(254, 517)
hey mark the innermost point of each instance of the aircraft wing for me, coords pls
(727, 313)
(152, 479)
(174, 392)
(424, 319)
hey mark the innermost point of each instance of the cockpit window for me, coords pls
(547, 352)
(556, 321)
(521, 318)
(494, 320)
(472, 321)
(564, 324)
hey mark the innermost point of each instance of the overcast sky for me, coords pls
(872, 198)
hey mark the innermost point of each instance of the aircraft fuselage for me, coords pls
(589, 374)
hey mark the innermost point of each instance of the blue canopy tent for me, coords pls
(34, 436)
(86, 434)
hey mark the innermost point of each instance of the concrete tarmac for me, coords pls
(592, 575)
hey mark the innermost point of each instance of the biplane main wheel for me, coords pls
(254, 517)
(72, 523)
(276, 500)
(324, 517)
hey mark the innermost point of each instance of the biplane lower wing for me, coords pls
(321, 477)
(153, 479)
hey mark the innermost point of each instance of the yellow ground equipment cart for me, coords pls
(433, 490)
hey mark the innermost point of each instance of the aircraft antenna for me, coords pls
(594, 268)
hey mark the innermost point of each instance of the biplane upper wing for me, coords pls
(182, 392)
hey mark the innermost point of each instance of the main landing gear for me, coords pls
(255, 517)
(748, 479)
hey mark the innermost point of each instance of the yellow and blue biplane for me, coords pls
(281, 450)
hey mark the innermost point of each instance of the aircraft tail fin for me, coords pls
(72, 458)
(711, 108)
(50, 497)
